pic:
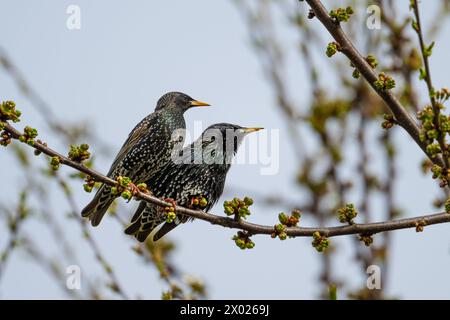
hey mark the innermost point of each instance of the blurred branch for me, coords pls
(69, 131)
(15, 221)
(114, 284)
(366, 229)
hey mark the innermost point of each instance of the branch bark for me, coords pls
(252, 228)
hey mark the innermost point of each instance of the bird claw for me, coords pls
(194, 202)
(198, 202)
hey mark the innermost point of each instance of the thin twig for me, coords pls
(114, 285)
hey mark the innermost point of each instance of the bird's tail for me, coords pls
(146, 218)
(97, 208)
(166, 228)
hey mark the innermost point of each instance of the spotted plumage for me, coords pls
(147, 149)
(200, 170)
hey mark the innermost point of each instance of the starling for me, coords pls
(199, 172)
(147, 149)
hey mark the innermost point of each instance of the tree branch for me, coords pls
(365, 229)
(403, 118)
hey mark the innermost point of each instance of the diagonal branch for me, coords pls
(403, 118)
(252, 228)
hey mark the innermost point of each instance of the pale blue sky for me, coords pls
(111, 73)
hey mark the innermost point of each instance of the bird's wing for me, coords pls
(134, 136)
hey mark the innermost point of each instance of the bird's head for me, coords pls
(225, 139)
(178, 101)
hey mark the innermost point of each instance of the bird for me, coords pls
(147, 149)
(199, 172)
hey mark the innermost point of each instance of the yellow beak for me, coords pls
(199, 103)
(248, 130)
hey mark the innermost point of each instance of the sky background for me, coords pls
(110, 74)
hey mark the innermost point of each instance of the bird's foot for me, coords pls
(134, 189)
(172, 202)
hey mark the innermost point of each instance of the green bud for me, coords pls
(229, 210)
(320, 243)
(433, 149)
(243, 212)
(432, 134)
(372, 61)
(347, 214)
(250, 245)
(296, 214)
(283, 218)
(87, 188)
(447, 205)
(55, 162)
(422, 74)
(170, 216)
(280, 228)
(341, 14)
(240, 243)
(123, 181)
(384, 82)
(114, 191)
(332, 48)
(436, 170)
(282, 236)
(8, 111)
(248, 201)
(203, 202)
(142, 186)
(428, 50)
(30, 132)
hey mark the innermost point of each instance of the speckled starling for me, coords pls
(199, 172)
(147, 149)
